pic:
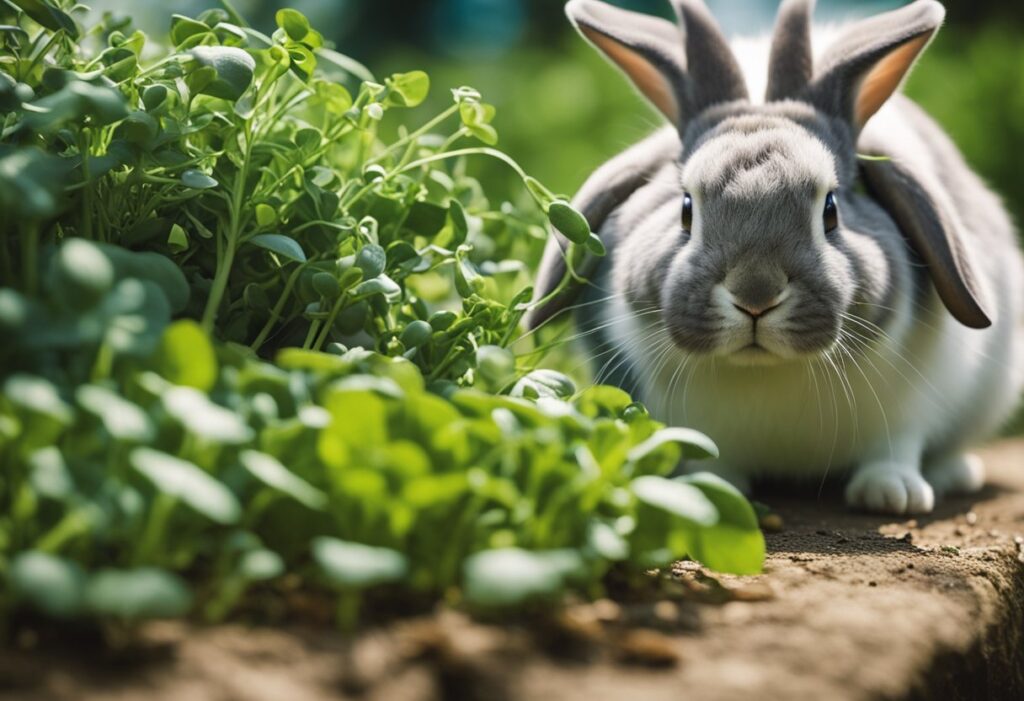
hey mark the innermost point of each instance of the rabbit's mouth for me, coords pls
(754, 354)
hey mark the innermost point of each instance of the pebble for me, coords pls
(606, 610)
(666, 611)
(772, 523)
(648, 647)
(972, 518)
(755, 591)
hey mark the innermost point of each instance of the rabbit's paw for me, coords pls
(891, 489)
(960, 473)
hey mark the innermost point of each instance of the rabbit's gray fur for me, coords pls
(897, 340)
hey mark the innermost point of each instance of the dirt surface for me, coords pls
(851, 606)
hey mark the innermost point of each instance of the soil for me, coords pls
(850, 606)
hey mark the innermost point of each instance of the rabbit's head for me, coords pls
(760, 245)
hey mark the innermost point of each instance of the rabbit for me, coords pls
(815, 280)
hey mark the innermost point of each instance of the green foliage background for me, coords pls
(562, 110)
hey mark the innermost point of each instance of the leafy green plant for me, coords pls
(249, 337)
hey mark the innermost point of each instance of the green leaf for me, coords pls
(326, 285)
(302, 61)
(606, 542)
(677, 498)
(293, 22)
(101, 104)
(426, 218)
(198, 180)
(335, 96)
(512, 576)
(184, 28)
(188, 483)
(122, 419)
(567, 220)
(49, 16)
(735, 544)
(260, 565)
(186, 356)
(143, 593)
(695, 445)
(80, 274)
(177, 240)
(380, 285)
(137, 313)
(280, 244)
(603, 400)
(269, 470)
(733, 508)
(408, 89)
(415, 334)
(726, 548)
(153, 96)
(495, 365)
(51, 584)
(234, 69)
(138, 128)
(50, 474)
(154, 268)
(540, 193)
(265, 215)
(595, 245)
(372, 260)
(358, 418)
(38, 396)
(460, 225)
(356, 566)
(205, 419)
(544, 383)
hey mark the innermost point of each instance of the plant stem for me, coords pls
(30, 255)
(311, 334)
(83, 150)
(220, 279)
(275, 313)
(156, 525)
(472, 151)
(416, 134)
(73, 524)
(322, 338)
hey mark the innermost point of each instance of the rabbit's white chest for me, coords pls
(826, 415)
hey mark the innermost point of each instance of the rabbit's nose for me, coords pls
(756, 311)
(757, 296)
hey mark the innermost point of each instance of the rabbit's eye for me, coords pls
(687, 219)
(831, 215)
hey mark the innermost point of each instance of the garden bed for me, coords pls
(850, 607)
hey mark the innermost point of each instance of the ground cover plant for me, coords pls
(248, 344)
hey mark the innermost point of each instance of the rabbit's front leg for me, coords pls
(956, 473)
(890, 481)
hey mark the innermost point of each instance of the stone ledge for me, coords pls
(852, 607)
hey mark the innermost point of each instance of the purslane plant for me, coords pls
(238, 183)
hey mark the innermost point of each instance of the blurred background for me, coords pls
(562, 110)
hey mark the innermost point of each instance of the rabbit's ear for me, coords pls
(934, 230)
(791, 63)
(869, 61)
(650, 51)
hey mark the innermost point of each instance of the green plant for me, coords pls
(250, 337)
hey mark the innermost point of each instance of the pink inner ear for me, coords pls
(883, 80)
(648, 80)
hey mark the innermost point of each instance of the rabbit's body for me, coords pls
(854, 361)
(926, 389)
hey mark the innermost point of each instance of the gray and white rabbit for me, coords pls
(816, 280)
